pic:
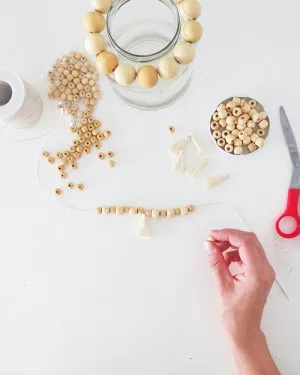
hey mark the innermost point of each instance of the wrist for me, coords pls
(248, 343)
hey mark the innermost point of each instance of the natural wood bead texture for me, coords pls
(239, 126)
(147, 75)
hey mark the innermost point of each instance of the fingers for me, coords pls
(221, 273)
(232, 256)
(233, 236)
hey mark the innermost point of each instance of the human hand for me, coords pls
(242, 296)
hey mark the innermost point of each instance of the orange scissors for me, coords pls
(291, 211)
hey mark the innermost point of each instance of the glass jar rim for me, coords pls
(143, 57)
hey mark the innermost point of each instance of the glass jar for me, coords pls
(142, 32)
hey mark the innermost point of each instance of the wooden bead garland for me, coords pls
(246, 125)
(147, 75)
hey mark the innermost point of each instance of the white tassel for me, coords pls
(144, 227)
(196, 144)
(178, 167)
(195, 171)
(211, 182)
(178, 147)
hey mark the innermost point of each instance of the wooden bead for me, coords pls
(261, 132)
(107, 133)
(51, 160)
(63, 175)
(237, 111)
(231, 120)
(80, 187)
(94, 22)
(231, 105)
(217, 134)
(111, 163)
(263, 115)
(230, 139)
(58, 192)
(110, 154)
(229, 148)
(248, 131)
(216, 116)
(177, 211)
(125, 74)
(107, 62)
(119, 211)
(230, 127)
(168, 67)
(155, 214)
(251, 124)
(147, 76)
(222, 122)
(70, 185)
(238, 142)
(184, 52)
(252, 111)
(252, 147)
(190, 9)
(184, 211)
(246, 108)
(236, 100)
(95, 44)
(99, 210)
(170, 213)
(260, 142)
(223, 114)
(238, 150)
(45, 154)
(102, 5)
(192, 31)
(225, 133)
(101, 156)
(214, 125)
(163, 213)
(254, 137)
(235, 132)
(252, 103)
(171, 129)
(133, 211)
(246, 140)
(221, 142)
(256, 117)
(263, 124)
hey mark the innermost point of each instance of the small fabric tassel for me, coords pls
(195, 171)
(178, 167)
(211, 182)
(178, 147)
(144, 227)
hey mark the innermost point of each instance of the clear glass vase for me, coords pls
(142, 32)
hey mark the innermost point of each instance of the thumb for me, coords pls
(221, 273)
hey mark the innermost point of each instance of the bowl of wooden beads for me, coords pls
(239, 126)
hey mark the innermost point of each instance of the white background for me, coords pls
(82, 294)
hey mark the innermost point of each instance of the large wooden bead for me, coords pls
(184, 53)
(192, 31)
(95, 44)
(94, 22)
(190, 9)
(168, 67)
(107, 62)
(147, 76)
(102, 5)
(125, 74)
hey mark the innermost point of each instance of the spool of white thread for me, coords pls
(20, 105)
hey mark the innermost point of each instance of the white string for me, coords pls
(29, 112)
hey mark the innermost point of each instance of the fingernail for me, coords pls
(208, 246)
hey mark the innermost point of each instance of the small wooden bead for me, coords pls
(238, 142)
(168, 68)
(45, 154)
(190, 9)
(107, 62)
(214, 125)
(96, 124)
(184, 52)
(102, 5)
(73, 165)
(125, 74)
(72, 148)
(231, 120)
(238, 150)
(246, 140)
(217, 134)
(95, 44)
(70, 185)
(110, 154)
(261, 132)
(101, 156)
(216, 116)
(148, 213)
(76, 143)
(223, 114)
(252, 111)
(263, 115)
(141, 210)
(163, 213)
(111, 163)
(92, 128)
(133, 211)
(225, 133)
(119, 211)
(251, 124)
(237, 111)
(191, 208)
(252, 103)
(221, 142)
(70, 159)
(231, 105)
(248, 131)
(230, 128)
(228, 148)
(87, 143)
(58, 192)
(171, 129)
(60, 167)
(230, 139)
(170, 213)
(222, 123)
(77, 155)
(155, 214)
(99, 210)
(51, 160)
(94, 22)
(113, 210)
(80, 187)
(184, 211)
(254, 137)
(86, 150)
(252, 147)
(147, 76)
(107, 133)
(177, 211)
(236, 100)
(246, 108)
(263, 124)
(105, 210)
(260, 142)
(192, 31)
(84, 129)
(256, 117)
(64, 162)
(242, 135)
(88, 135)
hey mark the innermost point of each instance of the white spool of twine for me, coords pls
(20, 105)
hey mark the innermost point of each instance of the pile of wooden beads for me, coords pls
(147, 75)
(151, 213)
(239, 125)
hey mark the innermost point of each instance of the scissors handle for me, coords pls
(290, 212)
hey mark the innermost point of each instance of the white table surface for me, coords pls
(81, 294)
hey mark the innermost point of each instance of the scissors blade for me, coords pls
(290, 141)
